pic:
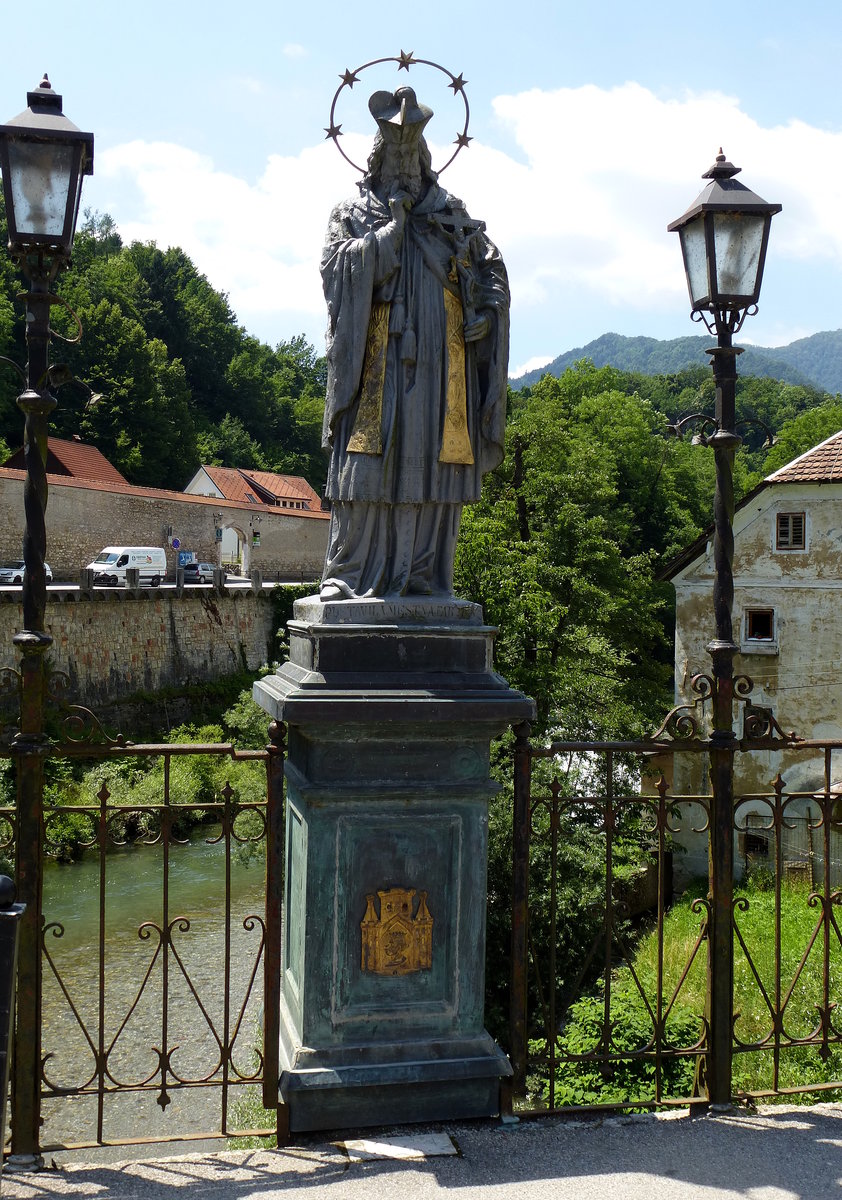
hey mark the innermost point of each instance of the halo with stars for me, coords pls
(405, 60)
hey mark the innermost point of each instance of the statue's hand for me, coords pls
(477, 329)
(399, 206)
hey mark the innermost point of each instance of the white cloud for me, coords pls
(580, 215)
(531, 364)
(259, 243)
(294, 50)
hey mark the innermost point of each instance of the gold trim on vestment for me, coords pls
(366, 437)
(455, 442)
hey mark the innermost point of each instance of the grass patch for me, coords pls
(759, 989)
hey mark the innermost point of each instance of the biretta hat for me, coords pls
(399, 115)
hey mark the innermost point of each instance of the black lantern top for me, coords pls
(724, 234)
(43, 158)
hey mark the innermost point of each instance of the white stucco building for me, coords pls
(788, 625)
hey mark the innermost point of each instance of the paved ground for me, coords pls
(779, 1153)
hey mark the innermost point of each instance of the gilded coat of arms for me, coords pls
(396, 942)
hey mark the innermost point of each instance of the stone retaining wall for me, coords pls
(115, 643)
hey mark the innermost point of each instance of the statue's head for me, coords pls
(400, 157)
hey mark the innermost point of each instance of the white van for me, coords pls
(111, 564)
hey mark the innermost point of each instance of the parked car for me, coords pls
(13, 572)
(199, 572)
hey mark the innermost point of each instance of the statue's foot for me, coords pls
(331, 591)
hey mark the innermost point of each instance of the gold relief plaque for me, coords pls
(396, 942)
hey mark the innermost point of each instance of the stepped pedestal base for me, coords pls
(390, 709)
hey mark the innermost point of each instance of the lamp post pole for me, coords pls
(722, 650)
(43, 158)
(724, 235)
(31, 743)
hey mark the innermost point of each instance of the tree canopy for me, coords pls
(181, 382)
(593, 499)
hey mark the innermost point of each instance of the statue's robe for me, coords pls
(414, 415)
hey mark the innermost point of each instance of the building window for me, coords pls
(760, 625)
(756, 844)
(790, 531)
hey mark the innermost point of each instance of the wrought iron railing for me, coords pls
(120, 1034)
(151, 1022)
(621, 1020)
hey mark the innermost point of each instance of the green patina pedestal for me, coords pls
(390, 708)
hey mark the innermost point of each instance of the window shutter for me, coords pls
(790, 531)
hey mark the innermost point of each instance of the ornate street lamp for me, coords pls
(724, 235)
(43, 158)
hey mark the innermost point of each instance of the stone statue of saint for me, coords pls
(417, 351)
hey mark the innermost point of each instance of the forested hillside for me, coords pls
(814, 360)
(566, 544)
(181, 382)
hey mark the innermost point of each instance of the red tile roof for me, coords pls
(75, 459)
(822, 464)
(231, 483)
(260, 487)
(145, 493)
(284, 486)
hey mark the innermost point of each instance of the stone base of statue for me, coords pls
(390, 708)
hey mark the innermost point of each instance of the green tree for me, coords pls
(194, 322)
(553, 553)
(143, 423)
(229, 445)
(806, 430)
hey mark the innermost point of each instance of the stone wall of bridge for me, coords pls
(114, 644)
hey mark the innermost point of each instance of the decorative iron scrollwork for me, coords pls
(759, 724)
(684, 721)
(79, 725)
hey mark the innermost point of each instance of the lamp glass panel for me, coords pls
(79, 181)
(695, 259)
(738, 238)
(40, 178)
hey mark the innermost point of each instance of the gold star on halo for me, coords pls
(349, 78)
(406, 60)
(461, 140)
(332, 132)
(458, 83)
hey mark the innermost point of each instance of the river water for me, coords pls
(135, 1023)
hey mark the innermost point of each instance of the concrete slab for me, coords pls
(422, 1145)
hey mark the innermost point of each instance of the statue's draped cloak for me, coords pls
(367, 262)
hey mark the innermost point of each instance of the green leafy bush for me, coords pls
(621, 1081)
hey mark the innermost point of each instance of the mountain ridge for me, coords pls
(815, 360)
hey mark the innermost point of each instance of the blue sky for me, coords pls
(591, 126)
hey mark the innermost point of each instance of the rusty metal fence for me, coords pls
(613, 982)
(150, 1023)
(149, 968)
